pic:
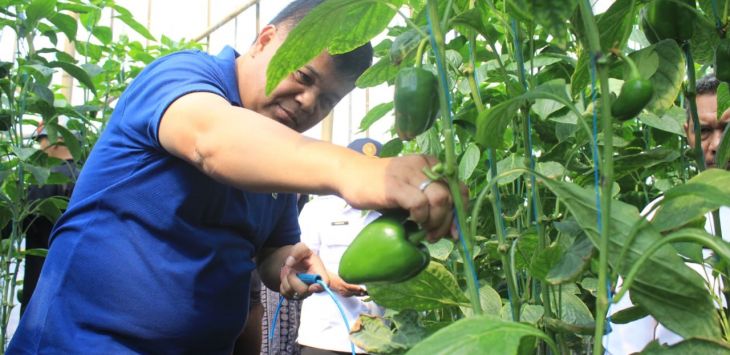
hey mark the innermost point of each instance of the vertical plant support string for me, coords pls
(436, 37)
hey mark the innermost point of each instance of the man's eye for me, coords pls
(304, 78)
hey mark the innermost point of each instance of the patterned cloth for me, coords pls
(285, 334)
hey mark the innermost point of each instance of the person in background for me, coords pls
(634, 336)
(329, 224)
(39, 230)
(194, 177)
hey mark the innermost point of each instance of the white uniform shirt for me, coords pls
(328, 226)
(633, 337)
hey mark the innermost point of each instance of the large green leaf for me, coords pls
(492, 123)
(481, 335)
(490, 300)
(77, 72)
(39, 9)
(372, 334)
(672, 292)
(684, 203)
(696, 346)
(469, 161)
(71, 142)
(671, 121)
(66, 24)
(705, 36)
(374, 115)
(382, 71)
(572, 262)
(614, 27)
(433, 288)
(573, 310)
(338, 26)
(127, 17)
(668, 78)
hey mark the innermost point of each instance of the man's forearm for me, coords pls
(270, 261)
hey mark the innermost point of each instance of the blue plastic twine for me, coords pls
(442, 73)
(334, 299)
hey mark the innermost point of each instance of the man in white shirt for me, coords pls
(634, 336)
(328, 227)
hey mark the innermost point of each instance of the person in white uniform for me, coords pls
(634, 336)
(328, 227)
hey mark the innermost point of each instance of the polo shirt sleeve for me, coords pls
(286, 231)
(159, 85)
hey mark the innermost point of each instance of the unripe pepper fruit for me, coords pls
(722, 60)
(635, 94)
(386, 250)
(416, 101)
(675, 19)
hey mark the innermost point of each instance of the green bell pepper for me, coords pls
(634, 96)
(663, 19)
(386, 250)
(722, 60)
(636, 93)
(416, 102)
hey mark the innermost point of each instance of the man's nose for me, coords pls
(715, 140)
(308, 100)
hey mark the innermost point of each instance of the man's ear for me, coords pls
(266, 35)
(686, 127)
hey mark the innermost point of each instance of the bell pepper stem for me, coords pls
(633, 69)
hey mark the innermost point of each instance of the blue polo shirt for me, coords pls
(152, 255)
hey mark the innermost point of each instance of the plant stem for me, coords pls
(690, 94)
(606, 168)
(450, 170)
(534, 200)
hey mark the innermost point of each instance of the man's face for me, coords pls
(303, 98)
(711, 128)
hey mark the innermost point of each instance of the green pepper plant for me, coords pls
(563, 123)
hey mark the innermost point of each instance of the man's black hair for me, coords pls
(351, 64)
(706, 85)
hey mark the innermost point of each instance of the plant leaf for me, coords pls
(336, 25)
(573, 261)
(433, 288)
(39, 9)
(668, 78)
(614, 27)
(77, 72)
(374, 115)
(672, 292)
(481, 335)
(469, 161)
(66, 24)
(685, 203)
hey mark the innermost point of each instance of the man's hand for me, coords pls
(400, 183)
(301, 259)
(343, 288)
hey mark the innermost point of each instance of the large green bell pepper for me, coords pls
(722, 60)
(386, 250)
(416, 102)
(675, 19)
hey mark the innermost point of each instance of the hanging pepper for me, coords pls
(675, 19)
(416, 102)
(722, 60)
(386, 250)
(635, 93)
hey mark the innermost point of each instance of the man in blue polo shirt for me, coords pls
(191, 179)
